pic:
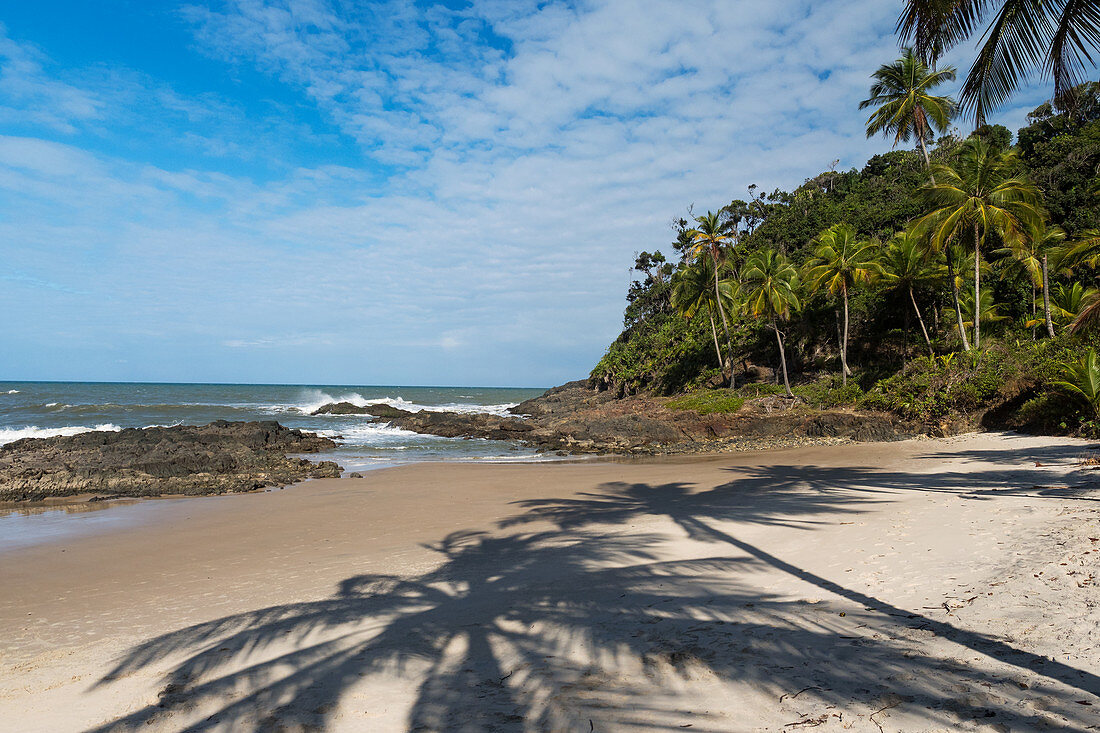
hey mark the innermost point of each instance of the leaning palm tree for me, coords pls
(906, 265)
(693, 291)
(769, 284)
(1030, 255)
(841, 263)
(710, 239)
(1056, 37)
(904, 105)
(980, 193)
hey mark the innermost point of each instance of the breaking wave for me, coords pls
(315, 399)
(8, 435)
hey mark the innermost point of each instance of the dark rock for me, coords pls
(347, 408)
(382, 410)
(183, 459)
(340, 408)
(461, 425)
(355, 475)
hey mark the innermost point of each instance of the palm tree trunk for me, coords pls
(844, 342)
(725, 325)
(958, 307)
(782, 358)
(920, 320)
(927, 160)
(977, 288)
(717, 349)
(1046, 298)
(1033, 309)
(905, 341)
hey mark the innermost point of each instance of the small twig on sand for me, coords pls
(871, 717)
(787, 694)
(809, 722)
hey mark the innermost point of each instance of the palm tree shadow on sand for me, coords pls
(586, 629)
(767, 494)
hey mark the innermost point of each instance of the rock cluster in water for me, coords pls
(184, 459)
(575, 418)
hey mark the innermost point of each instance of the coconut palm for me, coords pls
(1054, 36)
(710, 239)
(693, 291)
(990, 310)
(1081, 379)
(1067, 301)
(1029, 255)
(905, 265)
(841, 263)
(980, 194)
(769, 284)
(904, 105)
(955, 262)
(1088, 319)
(1084, 249)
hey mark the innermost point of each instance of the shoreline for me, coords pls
(677, 562)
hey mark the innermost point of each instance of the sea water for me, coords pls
(43, 409)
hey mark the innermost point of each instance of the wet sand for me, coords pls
(923, 585)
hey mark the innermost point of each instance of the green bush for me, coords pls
(930, 388)
(830, 393)
(705, 403)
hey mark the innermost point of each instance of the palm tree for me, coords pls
(982, 194)
(710, 239)
(841, 262)
(1069, 300)
(1088, 319)
(692, 292)
(955, 263)
(1084, 249)
(906, 265)
(1055, 36)
(1029, 254)
(1081, 379)
(990, 311)
(769, 283)
(904, 105)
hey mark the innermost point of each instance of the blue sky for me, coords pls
(334, 191)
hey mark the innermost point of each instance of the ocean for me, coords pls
(43, 409)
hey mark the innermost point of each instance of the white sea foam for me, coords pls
(315, 399)
(372, 434)
(7, 435)
(12, 391)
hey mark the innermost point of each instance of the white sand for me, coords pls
(925, 585)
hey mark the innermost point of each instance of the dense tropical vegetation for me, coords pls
(955, 277)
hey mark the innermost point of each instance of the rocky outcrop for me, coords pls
(348, 408)
(211, 459)
(461, 425)
(575, 418)
(340, 408)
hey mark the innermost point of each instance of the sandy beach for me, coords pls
(923, 585)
